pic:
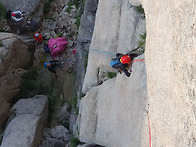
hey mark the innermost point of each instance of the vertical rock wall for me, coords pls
(113, 114)
(171, 70)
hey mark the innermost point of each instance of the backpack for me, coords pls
(115, 63)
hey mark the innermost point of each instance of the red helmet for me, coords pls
(125, 59)
(13, 14)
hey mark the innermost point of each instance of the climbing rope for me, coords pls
(137, 60)
(149, 129)
(109, 53)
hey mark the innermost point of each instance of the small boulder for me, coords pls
(60, 133)
(51, 142)
(37, 105)
(23, 131)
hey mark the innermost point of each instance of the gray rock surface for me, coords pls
(23, 131)
(113, 114)
(51, 142)
(32, 9)
(60, 133)
(19, 56)
(171, 69)
(37, 105)
(118, 31)
(63, 114)
(84, 39)
(135, 2)
(9, 86)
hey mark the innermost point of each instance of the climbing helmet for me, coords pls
(125, 59)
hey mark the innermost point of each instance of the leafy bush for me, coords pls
(142, 42)
(78, 17)
(86, 61)
(140, 9)
(1, 135)
(47, 6)
(31, 85)
(111, 74)
(2, 11)
(74, 142)
(1, 44)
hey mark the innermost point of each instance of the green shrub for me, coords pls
(81, 95)
(46, 8)
(78, 17)
(1, 44)
(111, 74)
(2, 11)
(74, 102)
(1, 135)
(86, 61)
(74, 142)
(142, 43)
(140, 9)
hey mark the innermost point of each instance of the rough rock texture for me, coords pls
(23, 131)
(63, 114)
(19, 57)
(113, 114)
(14, 55)
(14, 52)
(170, 62)
(28, 117)
(88, 145)
(5, 107)
(32, 9)
(9, 85)
(51, 142)
(171, 70)
(6, 39)
(60, 133)
(117, 31)
(84, 39)
(37, 105)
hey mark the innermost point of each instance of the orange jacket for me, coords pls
(38, 37)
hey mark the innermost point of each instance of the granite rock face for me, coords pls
(171, 69)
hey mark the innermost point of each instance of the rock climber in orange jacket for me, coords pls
(38, 37)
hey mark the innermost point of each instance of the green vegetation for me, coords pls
(78, 17)
(142, 42)
(86, 61)
(74, 142)
(47, 6)
(79, 5)
(74, 102)
(2, 11)
(1, 135)
(140, 9)
(81, 95)
(1, 44)
(111, 74)
(32, 85)
(71, 3)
